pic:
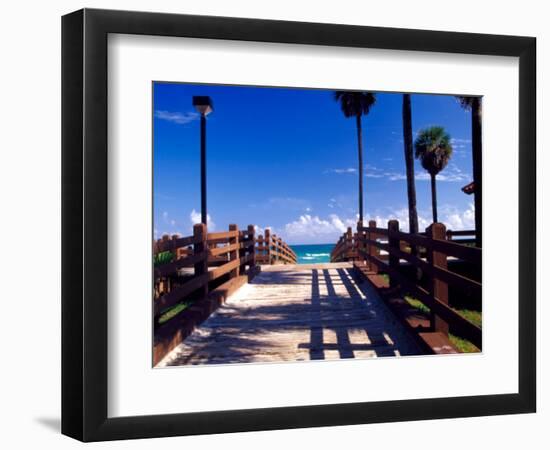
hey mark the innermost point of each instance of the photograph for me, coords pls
(296, 224)
(288, 223)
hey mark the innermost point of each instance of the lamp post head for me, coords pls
(203, 104)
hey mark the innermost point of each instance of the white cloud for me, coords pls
(454, 174)
(394, 176)
(373, 171)
(341, 171)
(308, 228)
(374, 175)
(315, 229)
(452, 217)
(460, 143)
(401, 215)
(261, 231)
(195, 217)
(177, 117)
(450, 174)
(455, 219)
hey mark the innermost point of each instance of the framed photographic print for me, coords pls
(273, 224)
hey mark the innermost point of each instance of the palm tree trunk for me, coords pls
(360, 155)
(476, 163)
(434, 198)
(409, 163)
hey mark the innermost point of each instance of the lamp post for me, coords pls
(203, 105)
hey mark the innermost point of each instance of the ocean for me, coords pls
(312, 254)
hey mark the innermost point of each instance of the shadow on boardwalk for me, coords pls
(294, 315)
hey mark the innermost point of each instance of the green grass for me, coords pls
(163, 258)
(415, 303)
(172, 312)
(471, 315)
(463, 345)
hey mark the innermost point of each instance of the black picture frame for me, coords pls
(84, 224)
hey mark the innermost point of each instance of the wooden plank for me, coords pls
(171, 334)
(173, 244)
(214, 242)
(174, 266)
(259, 325)
(467, 329)
(179, 293)
(469, 254)
(446, 275)
(224, 250)
(374, 230)
(222, 235)
(379, 262)
(222, 270)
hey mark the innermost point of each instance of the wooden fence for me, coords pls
(346, 248)
(196, 273)
(271, 249)
(430, 252)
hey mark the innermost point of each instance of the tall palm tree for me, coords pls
(433, 148)
(355, 104)
(409, 163)
(473, 104)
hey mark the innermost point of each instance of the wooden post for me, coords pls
(438, 288)
(252, 246)
(234, 255)
(360, 243)
(242, 251)
(372, 249)
(393, 243)
(349, 244)
(267, 244)
(276, 248)
(201, 267)
(261, 243)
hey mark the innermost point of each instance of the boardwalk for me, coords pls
(296, 313)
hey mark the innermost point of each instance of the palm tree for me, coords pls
(433, 148)
(409, 163)
(355, 104)
(474, 104)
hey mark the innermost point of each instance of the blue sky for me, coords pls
(287, 159)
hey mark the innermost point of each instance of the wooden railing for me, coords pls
(187, 269)
(194, 274)
(404, 248)
(346, 248)
(271, 249)
(199, 260)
